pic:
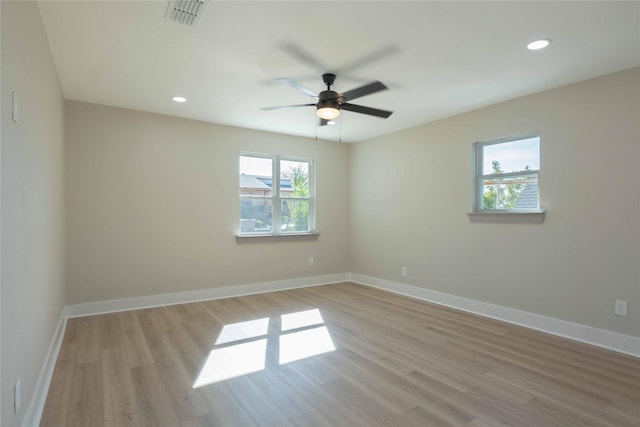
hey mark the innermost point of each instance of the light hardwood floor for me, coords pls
(397, 362)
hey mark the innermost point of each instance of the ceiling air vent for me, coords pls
(186, 12)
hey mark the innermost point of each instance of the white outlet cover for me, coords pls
(621, 308)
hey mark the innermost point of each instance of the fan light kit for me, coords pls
(328, 110)
(539, 44)
(330, 103)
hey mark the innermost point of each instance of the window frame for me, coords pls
(508, 214)
(276, 198)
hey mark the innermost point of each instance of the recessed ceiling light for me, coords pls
(539, 44)
(178, 99)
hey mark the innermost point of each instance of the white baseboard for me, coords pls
(33, 413)
(574, 331)
(599, 337)
(110, 306)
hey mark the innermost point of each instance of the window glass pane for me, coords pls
(294, 178)
(255, 215)
(513, 156)
(295, 215)
(519, 192)
(262, 204)
(256, 176)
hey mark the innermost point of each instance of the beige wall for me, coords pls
(411, 190)
(32, 254)
(153, 206)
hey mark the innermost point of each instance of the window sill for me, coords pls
(247, 237)
(508, 217)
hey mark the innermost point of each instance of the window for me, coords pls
(276, 195)
(506, 175)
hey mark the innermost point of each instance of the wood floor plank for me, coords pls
(165, 318)
(89, 340)
(225, 409)
(557, 415)
(118, 391)
(135, 344)
(72, 330)
(397, 362)
(186, 350)
(154, 405)
(516, 384)
(264, 410)
(130, 420)
(187, 402)
(110, 332)
(340, 413)
(287, 399)
(369, 410)
(417, 417)
(320, 373)
(86, 396)
(58, 403)
(314, 419)
(499, 415)
(374, 380)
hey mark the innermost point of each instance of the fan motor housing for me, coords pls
(324, 102)
(330, 95)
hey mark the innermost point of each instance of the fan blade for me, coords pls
(367, 89)
(367, 59)
(366, 110)
(305, 57)
(294, 84)
(287, 106)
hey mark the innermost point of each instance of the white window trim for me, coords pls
(477, 214)
(276, 199)
(511, 216)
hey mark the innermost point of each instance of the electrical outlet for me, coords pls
(16, 396)
(311, 261)
(621, 308)
(404, 271)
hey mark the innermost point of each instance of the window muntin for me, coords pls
(289, 209)
(506, 174)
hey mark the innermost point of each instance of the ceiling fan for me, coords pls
(330, 103)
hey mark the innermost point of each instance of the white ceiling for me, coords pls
(437, 58)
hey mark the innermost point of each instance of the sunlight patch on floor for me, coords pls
(246, 347)
(243, 330)
(233, 361)
(303, 344)
(301, 319)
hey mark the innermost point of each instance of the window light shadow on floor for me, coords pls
(247, 347)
